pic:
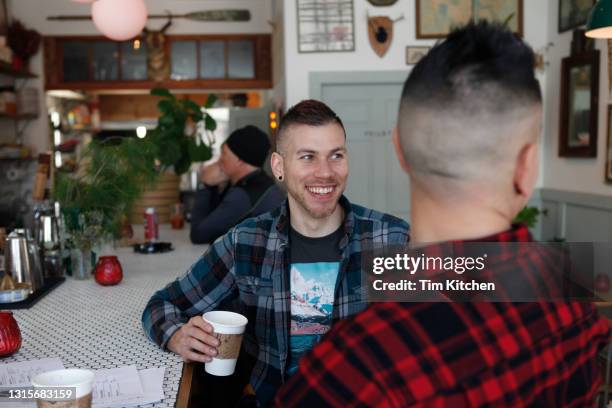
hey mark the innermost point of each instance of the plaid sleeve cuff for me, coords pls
(168, 329)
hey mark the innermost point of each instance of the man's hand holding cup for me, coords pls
(195, 341)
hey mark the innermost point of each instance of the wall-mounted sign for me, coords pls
(380, 33)
(325, 26)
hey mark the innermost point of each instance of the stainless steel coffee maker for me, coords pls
(22, 258)
(47, 234)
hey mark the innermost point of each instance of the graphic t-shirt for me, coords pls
(314, 270)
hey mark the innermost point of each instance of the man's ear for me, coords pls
(526, 170)
(398, 149)
(276, 163)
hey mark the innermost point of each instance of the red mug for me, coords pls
(10, 335)
(108, 271)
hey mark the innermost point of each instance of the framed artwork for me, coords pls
(325, 25)
(435, 19)
(573, 13)
(4, 18)
(609, 147)
(414, 54)
(578, 110)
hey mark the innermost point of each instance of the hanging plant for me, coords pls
(23, 42)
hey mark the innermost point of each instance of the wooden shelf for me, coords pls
(7, 69)
(15, 116)
(84, 129)
(7, 159)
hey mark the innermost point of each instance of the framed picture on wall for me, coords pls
(573, 13)
(325, 26)
(578, 110)
(435, 19)
(414, 54)
(609, 147)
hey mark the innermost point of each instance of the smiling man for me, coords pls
(293, 272)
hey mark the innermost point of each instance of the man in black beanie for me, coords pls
(234, 186)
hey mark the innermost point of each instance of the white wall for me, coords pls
(298, 66)
(33, 14)
(573, 174)
(363, 58)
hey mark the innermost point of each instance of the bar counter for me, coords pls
(91, 326)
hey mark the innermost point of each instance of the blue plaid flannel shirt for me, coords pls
(247, 270)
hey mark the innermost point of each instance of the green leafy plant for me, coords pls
(112, 175)
(529, 216)
(177, 145)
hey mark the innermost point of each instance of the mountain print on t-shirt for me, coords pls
(312, 296)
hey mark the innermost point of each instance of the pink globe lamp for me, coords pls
(119, 20)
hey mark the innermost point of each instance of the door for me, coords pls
(368, 104)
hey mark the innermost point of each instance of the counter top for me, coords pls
(91, 326)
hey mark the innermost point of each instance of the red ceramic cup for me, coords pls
(108, 271)
(10, 335)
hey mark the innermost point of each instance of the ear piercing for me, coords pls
(280, 178)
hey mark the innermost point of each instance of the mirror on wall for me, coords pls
(578, 111)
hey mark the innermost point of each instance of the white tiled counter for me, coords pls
(91, 326)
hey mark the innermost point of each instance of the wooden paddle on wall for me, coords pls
(205, 15)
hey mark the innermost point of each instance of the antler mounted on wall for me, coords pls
(158, 61)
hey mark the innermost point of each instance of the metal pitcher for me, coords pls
(47, 232)
(22, 259)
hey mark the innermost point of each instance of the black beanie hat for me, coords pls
(250, 144)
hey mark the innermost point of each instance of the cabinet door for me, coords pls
(133, 61)
(241, 56)
(105, 61)
(212, 59)
(76, 61)
(183, 55)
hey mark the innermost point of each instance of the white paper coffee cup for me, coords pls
(228, 327)
(81, 381)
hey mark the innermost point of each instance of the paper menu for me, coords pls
(116, 387)
(112, 386)
(152, 381)
(20, 374)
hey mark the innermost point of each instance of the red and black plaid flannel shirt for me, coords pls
(540, 354)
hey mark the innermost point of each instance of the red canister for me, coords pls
(151, 227)
(10, 335)
(108, 271)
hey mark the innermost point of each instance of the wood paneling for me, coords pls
(134, 107)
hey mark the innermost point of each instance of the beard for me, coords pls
(310, 204)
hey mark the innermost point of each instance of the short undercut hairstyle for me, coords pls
(465, 105)
(308, 112)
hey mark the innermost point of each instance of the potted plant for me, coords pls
(111, 176)
(178, 143)
(183, 135)
(23, 42)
